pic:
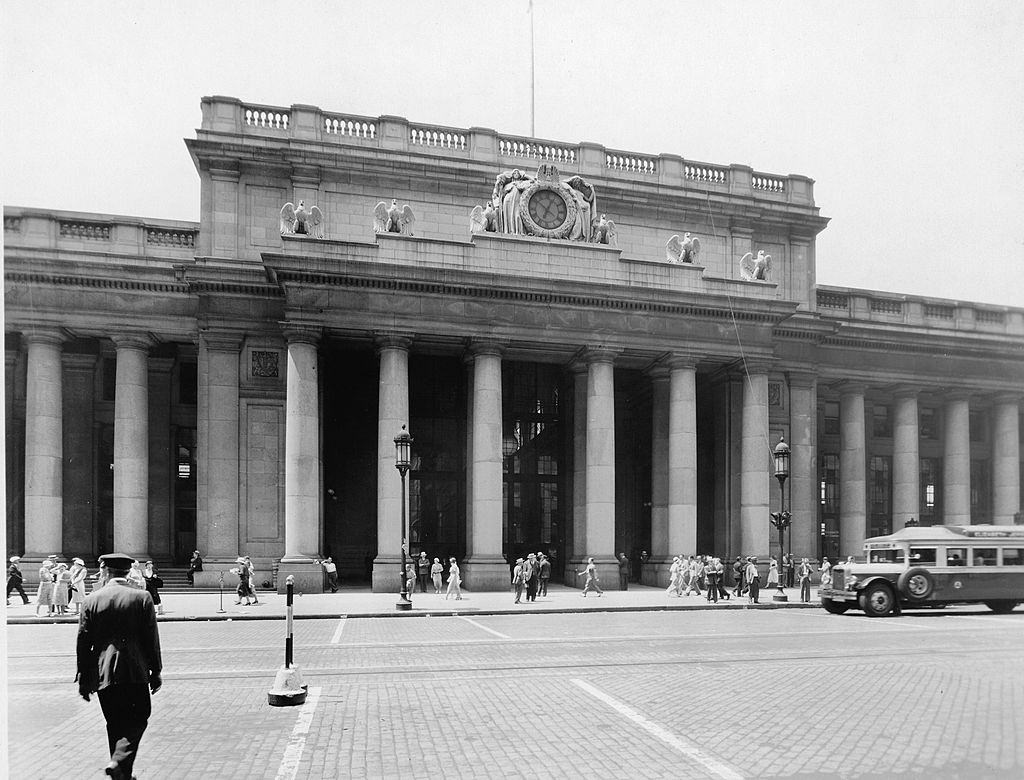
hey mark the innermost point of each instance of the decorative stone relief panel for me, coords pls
(775, 394)
(265, 364)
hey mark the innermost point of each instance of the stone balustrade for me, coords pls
(91, 231)
(862, 305)
(176, 238)
(230, 115)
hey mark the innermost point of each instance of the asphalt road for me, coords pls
(936, 694)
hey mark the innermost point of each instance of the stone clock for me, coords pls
(547, 210)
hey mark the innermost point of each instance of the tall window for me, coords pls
(981, 492)
(927, 424)
(832, 418)
(184, 493)
(931, 468)
(979, 427)
(829, 484)
(880, 495)
(882, 422)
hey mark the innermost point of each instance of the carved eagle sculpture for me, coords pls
(298, 221)
(391, 219)
(604, 232)
(684, 251)
(755, 268)
(483, 219)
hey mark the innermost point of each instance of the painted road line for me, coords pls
(485, 628)
(994, 619)
(293, 752)
(337, 632)
(715, 766)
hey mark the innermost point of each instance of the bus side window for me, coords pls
(984, 556)
(956, 556)
(922, 556)
(1013, 556)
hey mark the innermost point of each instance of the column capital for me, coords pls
(598, 354)
(754, 365)
(476, 347)
(674, 360)
(140, 341)
(301, 333)
(1008, 397)
(906, 391)
(386, 340)
(801, 378)
(956, 395)
(53, 337)
(850, 387)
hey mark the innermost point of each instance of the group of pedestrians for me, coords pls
(533, 574)
(701, 574)
(246, 573)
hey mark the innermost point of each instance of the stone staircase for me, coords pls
(175, 582)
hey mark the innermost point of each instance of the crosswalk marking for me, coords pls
(485, 628)
(293, 752)
(337, 632)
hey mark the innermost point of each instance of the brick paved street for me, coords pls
(721, 693)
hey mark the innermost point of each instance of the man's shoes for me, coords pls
(113, 769)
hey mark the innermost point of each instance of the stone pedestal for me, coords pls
(655, 573)
(309, 576)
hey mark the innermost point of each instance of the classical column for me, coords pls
(852, 467)
(43, 447)
(1005, 459)
(803, 500)
(485, 567)
(217, 468)
(131, 446)
(161, 454)
(906, 460)
(79, 475)
(302, 462)
(660, 552)
(682, 457)
(600, 488)
(392, 414)
(579, 476)
(755, 463)
(956, 462)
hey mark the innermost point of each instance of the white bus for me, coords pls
(932, 566)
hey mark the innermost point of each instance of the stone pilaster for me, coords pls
(79, 474)
(1005, 459)
(682, 457)
(660, 550)
(579, 480)
(160, 453)
(485, 567)
(852, 470)
(754, 463)
(302, 462)
(956, 462)
(392, 414)
(217, 457)
(43, 446)
(131, 446)
(803, 480)
(906, 459)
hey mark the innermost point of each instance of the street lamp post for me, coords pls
(403, 446)
(781, 519)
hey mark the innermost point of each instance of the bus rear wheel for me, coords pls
(1001, 607)
(877, 600)
(834, 607)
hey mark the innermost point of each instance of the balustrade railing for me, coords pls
(631, 163)
(12, 224)
(185, 239)
(522, 147)
(273, 118)
(828, 300)
(767, 183)
(705, 173)
(939, 312)
(437, 137)
(350, 127)
(91, 231)
(886, 306)
(988, 317)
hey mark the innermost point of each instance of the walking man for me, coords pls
(544, 575)
(519, 579)
(625, 570)
(118, 654)
(532, 572)
(15, 579)
(753, 578)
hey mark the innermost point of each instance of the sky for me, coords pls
(908, 115)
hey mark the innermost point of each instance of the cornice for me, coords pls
(95, 282)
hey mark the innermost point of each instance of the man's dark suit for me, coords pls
(119, 656)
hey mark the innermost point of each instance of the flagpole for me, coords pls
(533, 82)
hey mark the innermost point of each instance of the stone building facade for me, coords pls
(227, 387)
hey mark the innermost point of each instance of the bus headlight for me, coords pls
(851, 581)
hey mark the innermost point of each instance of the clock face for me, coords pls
(548, 209)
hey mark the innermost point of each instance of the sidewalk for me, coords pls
(360, 603)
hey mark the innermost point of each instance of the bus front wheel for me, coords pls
(1001, 607)
(877, 600)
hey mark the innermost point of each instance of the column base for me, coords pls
(780, 597)
(654, 573)
(387, 574)
(484, 573)
(607, 573)
(308, 576)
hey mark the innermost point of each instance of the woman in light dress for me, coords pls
(78, 575)
(454, 580)
(436, 574)
(252, 579)
(61, 586)
(826, 573)
(44, 596)
(773, 574)
(674, 578)
(135, 576)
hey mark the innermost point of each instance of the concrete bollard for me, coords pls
(288, 688)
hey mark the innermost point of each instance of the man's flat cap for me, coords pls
(116, 560)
